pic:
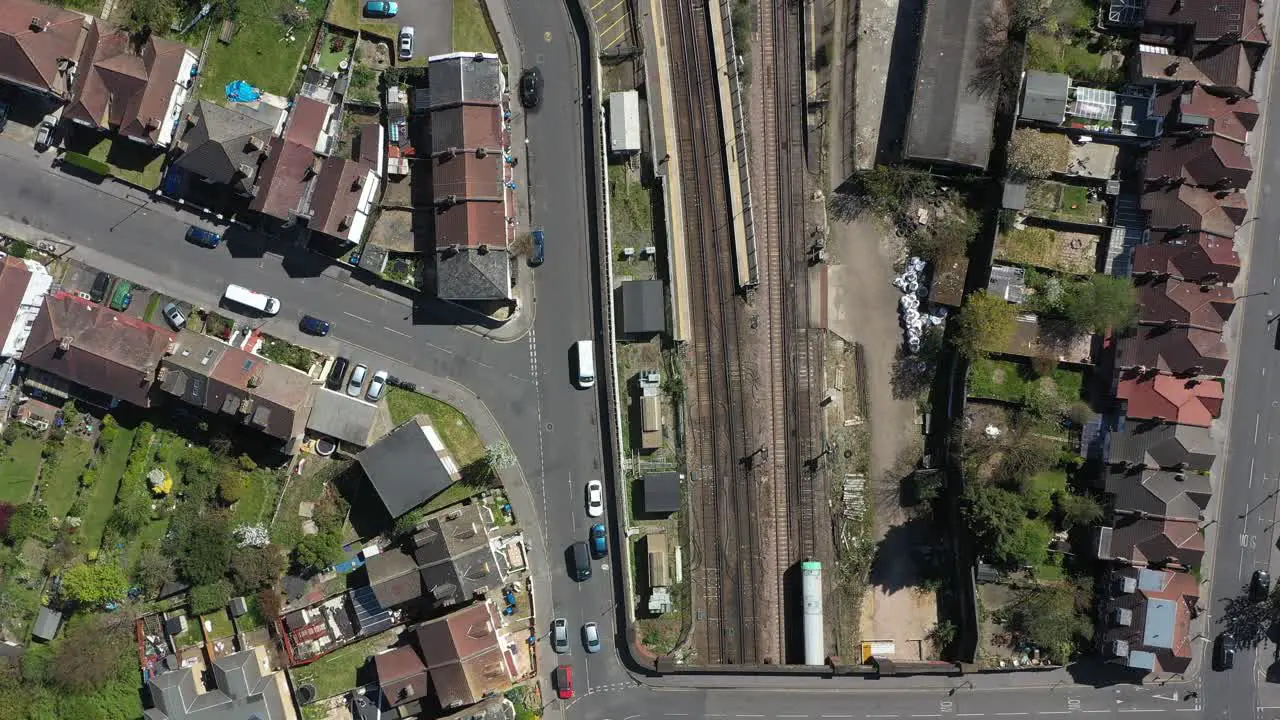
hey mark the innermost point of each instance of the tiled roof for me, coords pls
(1185, 303)
(473, 275)
(467, 176)
(402, 676)
(1229, 117)
(466, 127)
(30, 52)
(463, 655)
(283, 180)
(1148, 619)
(1164, 68)
(1173, 494)
(469, 224)
(1228, 67)
(1162, 445)
(1174, 399)
(1173, 350)
(1196, 256)
(219, 140)
(336, 202)
(306, 120)
(125, 87)
(1148, 540)
(1211, 161)
(1195, 209)
(1211, 19)
(104, 350)
(14, 278)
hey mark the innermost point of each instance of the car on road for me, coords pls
(357, 380)
(560, 635)
(377, 386)
(1259, 586)
(539, 248)
(1224, 652)
(406, 42)
(336, 373)
(203, 238)
(44, 136)
(531, 88)
(563, 678)
(98, 292)
(380, 9)
(174, 315)
(595, 498)
(591, 637)
(599, 543)
(313, 325)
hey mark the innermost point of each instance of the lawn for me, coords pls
(471, 31)
(452, 495)
(1009, 381)
(457, 432)
(259, 497)
(259, 54)
(1026, 245)
(129, 161)
(102, 494)
(335, 673)
(1053, 54)
(19, 465)
(252, 620)
(220, 621)
(62, 474)
(364, 85)
(630, 207)
(286, 531)
(1065, 202)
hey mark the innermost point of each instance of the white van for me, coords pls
(252, 299)
(584, 353)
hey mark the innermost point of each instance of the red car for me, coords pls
(564, 681)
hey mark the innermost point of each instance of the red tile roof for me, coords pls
(1212, 161)
(1185, 303)
(1197, 257)
(402, 676)
(337, 196)
(1228, 67)
(466, 127)
(306, 120)
(104, 350)
(470, 224)
(30, 56)
(1210, 20)
(14, 278)
(1232, 117)
(467, 176)
(283, 179)
(1174, 399)
(1197, 209)
(125, 87)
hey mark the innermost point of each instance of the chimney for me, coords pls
(314, 168)
(359, 182)
(452, 249)
(193, 119)
(1210, 277)
(481, 152)
(482, 249)
(254, 381)
(245, 169)
(1172, 68)
(346, 221)
(406, 692)
(450, 152)
(38, 26)
(65, 343)
(450, 199)
(255, 143)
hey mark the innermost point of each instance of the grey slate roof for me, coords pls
(1161, 446)
(242, 693)
(464, 77)
(467, 274)
(1160, 492)
(662, 492)
(1044, 97)
(643, 308)
(47, 624)
(950, 122)
(404, 469)
(218, 143)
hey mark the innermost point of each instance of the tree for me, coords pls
(1028, 544)
(985, 321)
(28, 520)
(949, 237)
(319, 552)
(1077, 510)
(269, 603)
(153, 568)
(993, 515)
(6, 514)
(95, 584)
(130, 513)
(1037, 155)
(1053, 617)
(142, 17)
(253, 568)
(1101, 302)
(94, 650)
(232, 487)
(204, 549)
(210, 597)
(1023, 455)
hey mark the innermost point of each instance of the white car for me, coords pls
(595, 498)
(377, 386)
(406, 42)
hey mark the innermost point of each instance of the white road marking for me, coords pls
(1257, 420)
(344, 312)
(1251, 472)
(1053, 712)
(1011, 714)
(1137, 710)
(384, 327)
(837, 716)
(1095, 711)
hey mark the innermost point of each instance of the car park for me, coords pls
(591, 637)
(175, 316)
(595, 498)
(337, 372)
(563, 680)
(357, 380)
(44, 136)
(202, 237)
(380, 9)
(599, 542)
(377, 386)
(1259, 586)
(1224, 652)
(539, 248)
(406, 42)
(560, 635)
(314, 325)
(531, 88)
(98, 292)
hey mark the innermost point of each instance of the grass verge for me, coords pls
(457, 432)
(471, 32)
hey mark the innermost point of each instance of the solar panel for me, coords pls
(370, 616)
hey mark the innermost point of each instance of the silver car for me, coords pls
(591, 637)
(406, 42)
(357, 380)
(377, 386)
(174, 315)
(560, 635)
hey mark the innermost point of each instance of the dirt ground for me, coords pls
(863, 309)
(394, 231)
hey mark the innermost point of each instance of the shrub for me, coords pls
(207, 598)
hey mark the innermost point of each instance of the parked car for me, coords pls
(591, 637)
(203, 238)
(406, 42)
(599, 542)
(1224, 652)
(174, 315)
(539, 248)
(44, 136)
(531, 88)
(314, 325)
(336, 373)
(357, 380)
(101, 283)
(377, 386)
(560, 635)
(380, 9)
(1259, 586)
(563, 678)
(595, 498)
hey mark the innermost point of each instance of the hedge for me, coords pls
(87, 163)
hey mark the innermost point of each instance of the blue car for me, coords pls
(381, 9)
(314, 325)
(599, 544)
(539, 248)
(202, 237)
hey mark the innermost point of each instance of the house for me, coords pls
(1156, 445)
(1210, 162)
(40, 46)
(1200, 111)
(134, 90)
(225, 145)
(643, 307)
(1147, 619)
(47, 624)
(1176, 350)
(464, 78)
(393, 575)
(343, 199)
(476, 274)
(210, 374)
(408, 467)
(1174, 303)
(1050, 99)
(1185, 401)
(1044, 97)
(464, 656)
(466, 128)
(1164, 493)
(951, 121)
(1196, 257)
(402, 676)
(23, 287)
(341, 417)
(1138, 539)
(1224, 40)
(286, 179)
(1183, 209)
(661, 493)
(96, 347)
(240, 690)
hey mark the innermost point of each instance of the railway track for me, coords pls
(728, 540)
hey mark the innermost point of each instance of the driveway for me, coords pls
(432, 22)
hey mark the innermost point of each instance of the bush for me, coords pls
(316, 553)
(232, 487)
(28, 520)
(84, 162)
(287, 354)
(207, 598)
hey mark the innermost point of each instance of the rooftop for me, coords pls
(1169, 398)
(1198, 257)
(1191, 209)
(1212, 162)
(35, 39)
(1179, 350)
(408, 467)
(1178, 302)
